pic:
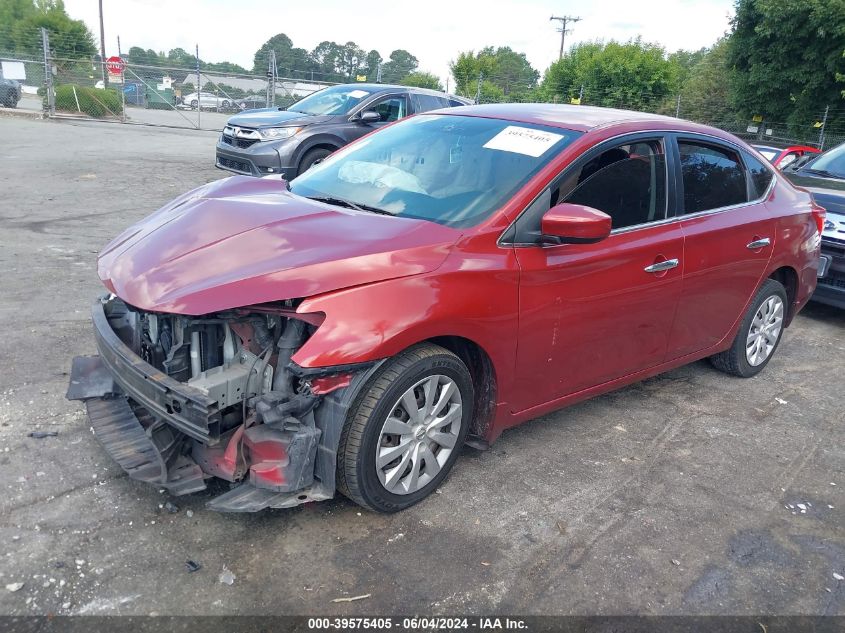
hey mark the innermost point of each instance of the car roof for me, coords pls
(570, 117)
(376, 88)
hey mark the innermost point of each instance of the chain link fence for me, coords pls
(63, 85)
(55, 78)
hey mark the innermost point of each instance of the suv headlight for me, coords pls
(276, 133)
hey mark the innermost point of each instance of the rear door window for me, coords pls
(713, 177)
(761, 176)
(424, 102)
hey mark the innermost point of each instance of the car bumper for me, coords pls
(830, 289)
(261, 159)
(167, 433)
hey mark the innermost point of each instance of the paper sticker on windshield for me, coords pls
(523, 140)
(357, 94)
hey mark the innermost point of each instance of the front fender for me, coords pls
(474, 298)
(311, 140)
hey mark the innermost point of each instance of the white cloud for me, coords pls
(434, 30)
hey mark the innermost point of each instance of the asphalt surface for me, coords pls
(678, 495)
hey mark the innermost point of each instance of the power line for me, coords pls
(563, 30)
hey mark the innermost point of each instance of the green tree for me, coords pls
(12, 13)
(20, 29)
(684, 61)
(225, 67)
(372, 63)
(465, 70)
(327, 57)
(280, 43)
(400, 64)
(785, 56)
(634, 75)
(422, 79)
(503, 68)
(706, 90)
(352, 58)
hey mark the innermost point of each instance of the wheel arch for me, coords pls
(483, 374)
(787, 276)
(319, 141)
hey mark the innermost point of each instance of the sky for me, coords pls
(432, 30)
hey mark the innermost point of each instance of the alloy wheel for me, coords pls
(764, 331)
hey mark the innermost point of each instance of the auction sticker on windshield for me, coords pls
(357, 94)
(523, 140)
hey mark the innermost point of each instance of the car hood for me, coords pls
(273, 116)
(244, 241)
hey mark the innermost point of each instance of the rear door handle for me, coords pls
(659, 267)
(756, 244)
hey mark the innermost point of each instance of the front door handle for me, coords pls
(757, 244)
(660, 267)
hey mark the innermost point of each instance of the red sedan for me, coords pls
(783, 157)
(431, 285)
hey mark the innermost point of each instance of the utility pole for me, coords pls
(122, 86)
(103, 48)
(48, 73)
(563, 30)
(199, 87)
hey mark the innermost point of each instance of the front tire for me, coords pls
(405, 430)
(759, 334)
(312, 157)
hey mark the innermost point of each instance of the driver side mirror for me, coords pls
(369, 116)
(575, 224)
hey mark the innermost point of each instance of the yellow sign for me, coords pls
(575, 101)
(360, 78)
(817, 124)
(757, 118)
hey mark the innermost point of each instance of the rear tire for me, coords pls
(759, 333)
(194, 104)
(368, 440)
(311, 157)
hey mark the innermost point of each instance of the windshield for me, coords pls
(453, 170)
(832, 161)
(334, 100)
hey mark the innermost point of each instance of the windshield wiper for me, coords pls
(340, 202)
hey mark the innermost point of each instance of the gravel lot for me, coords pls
(677, 495)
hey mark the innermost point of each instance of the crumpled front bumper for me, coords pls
(167, 433)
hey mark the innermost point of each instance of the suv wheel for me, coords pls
(312, 157)
(194, 104)
(405, 430)
(759, 334)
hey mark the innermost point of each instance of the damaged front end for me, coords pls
(177, 400)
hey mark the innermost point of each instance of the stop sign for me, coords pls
(115, 65)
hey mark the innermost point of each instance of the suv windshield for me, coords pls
(334, 100)
(831, 162)
(453, 170)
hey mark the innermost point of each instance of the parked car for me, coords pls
(434, 284)
(824, 177)
(207, 100)
(289, 141)
(782, 157)
(252, 102)
(10, 92)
